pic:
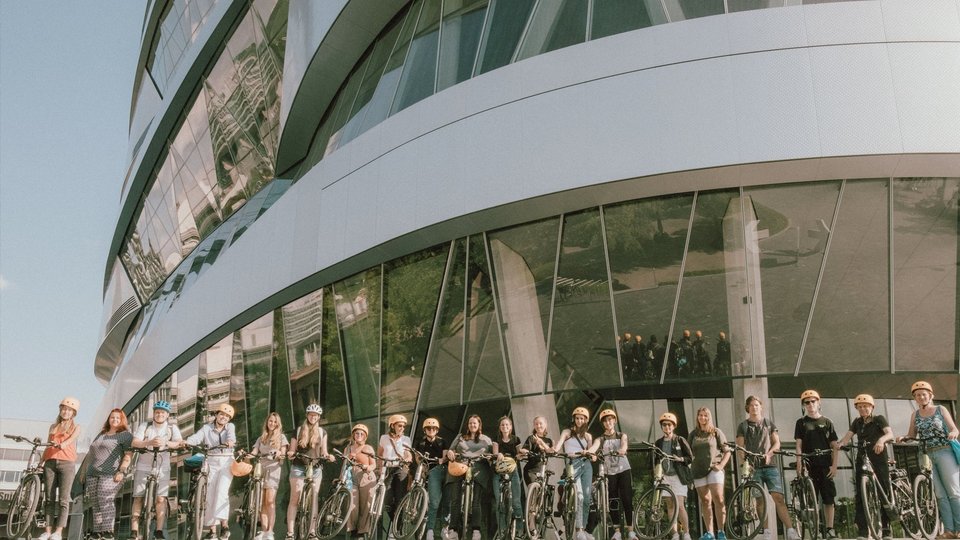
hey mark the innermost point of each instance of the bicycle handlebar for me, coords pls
(35, 441)
(661, 453)
(814, 453)
(735, 446)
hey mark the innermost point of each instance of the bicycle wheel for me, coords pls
(23, 506)
(505, 513)
(805, 504)
(304, 509)
(148, 513)
(925, 505)
(250, 511)
(907, 509)
(602, 530)
(332, 516)
(410, 514)
(745, 516)
(652, 518)
(570, 510)
(535, 515)
(871, 505)
(199, 503)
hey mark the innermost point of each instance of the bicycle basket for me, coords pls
(193, 463)
(907, 457)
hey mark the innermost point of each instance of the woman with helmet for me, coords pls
(221, 436)
(619, 480)
(362, 479)
(675, 445)
(311, 440)
(271, 446)
(710, 457)
(109, 458)
(59, 466)
(156, 434)
(934, 423)
(394, 445)
(575, 441)
(470, 443)
(433, 445)
(537, 444)
(506, 447)
(872, 433)
(814, 431)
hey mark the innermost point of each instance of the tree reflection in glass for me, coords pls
(442, 377)
(357, 305)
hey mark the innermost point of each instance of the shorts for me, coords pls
(271, 474)
(713, 477)
(299, 471)
(140, 482)
(824, 486)
(770, 477)
(678, 487)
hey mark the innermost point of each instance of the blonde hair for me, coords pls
(275, 439)
(711, 429)
(313, 434)
(59, 427)
(546, 426)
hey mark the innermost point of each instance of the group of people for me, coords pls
(688, 356)
(700, 462)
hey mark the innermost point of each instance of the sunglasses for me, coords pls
(809, 401)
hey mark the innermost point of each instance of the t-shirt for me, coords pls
(209, 436)
(434, 448)
(471, 447)
(394, 448)
(509, 448)
(166, 432)
(756, 438)
(707, 450)
(868, 433)
(614, 462)
(531, 444)
(106, 451)
(816, 434)
(265, 449)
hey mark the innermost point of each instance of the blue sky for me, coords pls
(66, 77)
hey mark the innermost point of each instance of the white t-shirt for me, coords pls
(167, 432)
(394, 448)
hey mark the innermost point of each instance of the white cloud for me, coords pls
(3, 283)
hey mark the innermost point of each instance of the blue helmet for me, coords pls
(163, 405)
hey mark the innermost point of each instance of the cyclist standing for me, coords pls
(710, 457)
(614, 445)
(575, 440)
(109, 459)
(271, 446)
(311, 440)
(220, 432)
(157, 434)
(760, 435)
(538, 443)
(433, 445)
(675, 445)
(507, 445)
(394, 445)
(59, 466)
(362, 480)
(814, 431)
(872, 432)
(471, 443)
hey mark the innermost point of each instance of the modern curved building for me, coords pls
(442, 207)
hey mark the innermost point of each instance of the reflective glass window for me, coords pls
(216, 365)
(850, 326)
(680, 10)
(583, 352)
(746, 5)
(555, 25)
(615, 16)
(410, 294)
(340, 113)
(420, 68)
(302, 336)
(483, 373)
(459, 38)
(506, 20)
(442, 377)
(238, 390)
(188, 403)
(793, 223)
(926, 232)
(281, 400)
(523, 260)
(179, 27)
(333, 382)
(257, 351)
(357, 301)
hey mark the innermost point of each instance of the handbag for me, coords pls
(955, 445)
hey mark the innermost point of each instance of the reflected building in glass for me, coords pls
(440, 207)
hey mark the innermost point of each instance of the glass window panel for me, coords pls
(341, 112)
(442, 376)
(411, 287)
(680, 10)
(850, 327)
(793, 223)
(280, 396)
(506, 20)
(238, 391)
(645, 240)
(357, 300)
(188, 403)
(216, 366)
(555, 25)
(450, 418)
(524, 259)
(714, 273)
(926, 232)
(302, 332)
(489, 412)
(333, 382)
(483, 374)
(420, 68)
(372, 71)
(745, 5)
(615, 16)
(460, 35)
(583, 352)
(257, 355)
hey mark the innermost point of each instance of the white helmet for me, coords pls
(313, 407)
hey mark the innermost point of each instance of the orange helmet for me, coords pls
(456, 468)
(582, 411)
(397, 419)
(431, 422)
(71, 402)
(863, 398)
(361, 427)
(226, 409)
(607, 412)
(921, 385)
(809, 394)
(668, 417)
(240, 468)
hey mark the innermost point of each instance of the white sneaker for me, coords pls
(767, 535)
(686, 536)
(588, 535)
(675, 537)
(581, 535)
(44, 536)
(55, 536)
(259, 536)
(450, 534)
(475, 535)
(792, 534)
(429, 535)
(631, 535)
(616, 536)
(268, 536)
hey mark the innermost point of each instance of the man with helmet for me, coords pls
(813, 431)
(220, 436)
(433, 445)
(156, 434)
(760, 435)
(872, 432)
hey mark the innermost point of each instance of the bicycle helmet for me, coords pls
(431, 422)
(163, 406)
(863, 398)
(668, 417)
(361, 427)
(582, 411)
(226, 409)
(397, 419)
(607, 412)
(505, 465)
(921, 385)
(456, 468)
(314, 408)
(809, 394)
(71, 402)
(240, 468)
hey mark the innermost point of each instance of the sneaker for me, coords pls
(225, 534)
(429, 535)
(212, 535)
(289, 535)
(258, 536)
(686, 536)
(44, 536)
(631, 535)
(581, 535)
(792, 534)
(765, 533)
(159, 535)
(475, 535)
(450, 534)
(56, 536)
(707, 536)
(721, 535)
(616, 536)
(831, 534)
(675, 537)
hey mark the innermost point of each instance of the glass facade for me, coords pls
(178, 29)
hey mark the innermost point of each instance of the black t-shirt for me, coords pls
(868, 433)
(433, 448)
(816, 434)
(509, 448)
(531, 445)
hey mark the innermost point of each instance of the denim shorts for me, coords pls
(299, 471)
(770, 477)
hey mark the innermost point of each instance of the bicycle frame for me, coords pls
(147, 518)
(745, 517)
(537, 519)
(306, 516)
(248, 515)
(28, 502)
(651, 509)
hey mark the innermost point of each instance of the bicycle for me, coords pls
(746, 518)
(26, 506)
(923, 499)
(601, 495)
(333, 513)
(304, 524)
(505, 512)
(196, 501)
(538, 512)
(466, 493)
(248, 514)
(147, 522)
(411, 512)
(653, 517)
(379, 491)
(803, 506)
